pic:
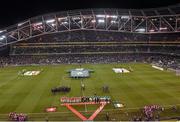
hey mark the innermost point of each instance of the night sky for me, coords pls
(15, 11)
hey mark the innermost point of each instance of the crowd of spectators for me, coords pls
(167, 62)
(85, 58)
(88, 36)
(149, 111)
(69, 49)
(103, 36)
(86, 42)
(94, 47)
(17, 117)
(69, 59)
(74, 49)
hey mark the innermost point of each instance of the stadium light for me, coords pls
(101, 20)
(154, 19)
(63, 18)
(76, 18)
(38, 24)
(87, 17)
(101, 16)
(50, 21)
(170, 19)
(1, 31)
(114, 16)
(80, 21)
(22, 23)
(141, 30)
(2, 37)
(163, 28)
(125, 17)
(111, 16)
(114, 22)
(93, 21)
(53, 24)
(64, 23)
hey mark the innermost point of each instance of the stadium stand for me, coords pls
(95, 37)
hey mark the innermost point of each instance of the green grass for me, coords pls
(141, 87)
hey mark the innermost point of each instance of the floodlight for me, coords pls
(76, 18)
(114, 16)
(64, 23)
(2, 37)
(141, 30)
(80, 21)
(87, 17)
(102, 16)
(1, 31)
(53, 24)
(101, 20)
(171, 19)
(50, 21)
(38, 23)
(93, 21)
(113, 22)
(125, 17)
(163, 28)
(22, 23)
(154, 19)
(111, 16)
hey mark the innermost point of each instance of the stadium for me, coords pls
(92, 65)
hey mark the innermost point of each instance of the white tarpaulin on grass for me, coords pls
(120, 70)
(31, 73)
(156, 67)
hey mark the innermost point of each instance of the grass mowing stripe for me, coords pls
(30, 101)
(10, 95)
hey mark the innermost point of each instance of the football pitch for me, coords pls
(32, 94)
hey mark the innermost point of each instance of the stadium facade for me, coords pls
(112, 34)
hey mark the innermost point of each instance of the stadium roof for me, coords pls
(153, 20)
(20, 10)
